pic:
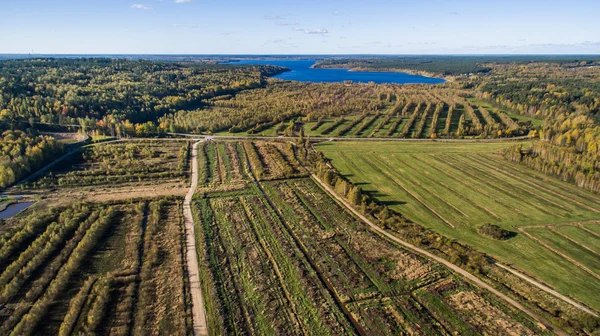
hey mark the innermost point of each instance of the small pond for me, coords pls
(13, 209)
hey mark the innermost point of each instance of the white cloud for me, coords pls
(321, 31)
(336, 12)
(141, 6)
(182, 1)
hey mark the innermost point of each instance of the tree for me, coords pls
(355, 195)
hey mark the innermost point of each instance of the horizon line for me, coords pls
(285, 54)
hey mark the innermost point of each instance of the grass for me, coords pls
(593, 228)
(569, 248)
(454, 188)
(586, 239)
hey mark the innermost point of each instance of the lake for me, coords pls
(302, 72)
(14, 209)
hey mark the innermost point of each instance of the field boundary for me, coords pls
(409, 192)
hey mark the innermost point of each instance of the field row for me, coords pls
(224, 163)
(418, 120)
(292, 261)
(96, 268)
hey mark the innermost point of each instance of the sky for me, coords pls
(300, 27)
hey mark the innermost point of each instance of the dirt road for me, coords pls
(431, 256)
(198, 311)
(548, 289)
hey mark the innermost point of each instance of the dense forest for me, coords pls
(567, 97)
(63, 90)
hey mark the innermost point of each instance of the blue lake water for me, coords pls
(302, 72)
(14, 209)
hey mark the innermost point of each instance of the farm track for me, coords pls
(334, 138)
(536, 175)
(518, 190)
(458, 194)
(475, 280)
(475, 180)
(589, 231)
(198, 310)
(482, 182)
(574, 241)
(422, 186)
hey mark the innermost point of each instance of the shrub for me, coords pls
(495, 232)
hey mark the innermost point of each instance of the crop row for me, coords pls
(125, 262)
(460, 117)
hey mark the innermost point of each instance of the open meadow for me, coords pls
(455, 188)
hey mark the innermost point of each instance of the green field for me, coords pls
(454, 188)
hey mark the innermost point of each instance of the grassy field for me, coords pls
(280, 256)
(455, 188)
(95, 268)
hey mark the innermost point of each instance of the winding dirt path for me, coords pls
(478, 282)
(198, 311)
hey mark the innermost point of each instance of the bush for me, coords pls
(495, 232)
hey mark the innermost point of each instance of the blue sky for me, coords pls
(299, 27)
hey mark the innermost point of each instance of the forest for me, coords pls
(504, 96)
(22, 154)
(88, 90)
(567, 97)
